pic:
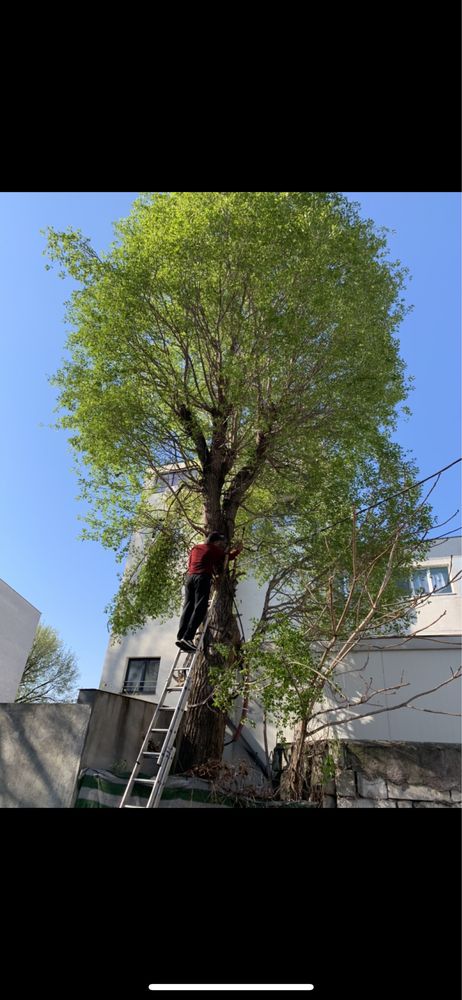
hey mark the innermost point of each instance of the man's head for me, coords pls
(217, 539)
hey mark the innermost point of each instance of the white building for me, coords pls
(139, 665)
(18, 624)
(420, 663)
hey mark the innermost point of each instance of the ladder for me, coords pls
(167, 751)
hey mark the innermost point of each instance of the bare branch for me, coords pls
(392, 708)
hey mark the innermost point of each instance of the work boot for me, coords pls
(185, 646)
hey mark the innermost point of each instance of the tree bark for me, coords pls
(294, 777)
(204, 726)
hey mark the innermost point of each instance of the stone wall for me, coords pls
(387, 775)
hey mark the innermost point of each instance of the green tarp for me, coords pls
(104, 790)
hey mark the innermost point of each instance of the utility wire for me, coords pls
(389, 496)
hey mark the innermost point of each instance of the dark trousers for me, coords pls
(195, 604)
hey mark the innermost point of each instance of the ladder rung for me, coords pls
(181, 675)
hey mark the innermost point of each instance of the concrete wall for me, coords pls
(43, 748)
(18, 624)
(117, 726)
(40, 751)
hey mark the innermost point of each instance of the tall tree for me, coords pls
(330, 591)
(250, 339)
(51, 671)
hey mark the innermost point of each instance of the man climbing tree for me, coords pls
(247, 338)
(205, 560)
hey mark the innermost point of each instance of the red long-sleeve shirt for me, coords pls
(207, 558)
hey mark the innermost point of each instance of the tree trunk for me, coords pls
(294, 777)
(204, 727)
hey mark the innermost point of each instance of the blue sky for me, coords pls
(41, 556)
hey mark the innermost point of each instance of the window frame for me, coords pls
(428, 568)
(139, 688)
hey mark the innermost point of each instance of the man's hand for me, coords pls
(236, 549)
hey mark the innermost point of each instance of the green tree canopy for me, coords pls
(51, 671)
(248, 338)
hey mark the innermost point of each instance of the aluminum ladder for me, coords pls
(167, 751)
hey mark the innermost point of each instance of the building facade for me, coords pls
(139, 665)
(18, 624)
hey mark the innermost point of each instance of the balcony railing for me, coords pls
(143, 687)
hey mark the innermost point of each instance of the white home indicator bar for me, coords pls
(235, 986)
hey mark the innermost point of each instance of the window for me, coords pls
(142, 674)
(169, 479)
(427, 579)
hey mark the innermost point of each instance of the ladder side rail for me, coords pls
(167, 753)
(138, 762)
(183, 699)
